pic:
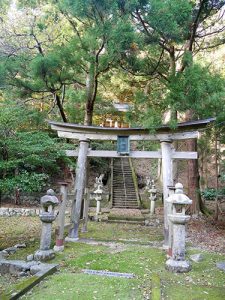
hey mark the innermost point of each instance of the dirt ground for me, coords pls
(205, 233)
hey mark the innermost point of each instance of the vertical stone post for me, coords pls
(79, 190)
(178, 218)
(59, 246)
(86, 208)
(167, 175)
(169, 211)
(47, 216)
(152, 197)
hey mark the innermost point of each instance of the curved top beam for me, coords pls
(184, 130)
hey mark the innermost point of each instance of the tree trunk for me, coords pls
(88, 113)
(216, 215)
(91, 92)
(193, 174)
(193, 178)
(60, 107)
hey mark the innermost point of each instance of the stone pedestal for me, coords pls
(47, 216)
(177, 262)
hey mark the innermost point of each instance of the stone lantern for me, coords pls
(178, 219)
(152, 198)
(98, 198)
(47, 216)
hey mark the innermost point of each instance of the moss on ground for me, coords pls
(205, 281)
(125, 231)
(193, 292)
(72, 286)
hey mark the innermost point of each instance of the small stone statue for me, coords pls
(148, 183)
(98, 181)
(47, 216)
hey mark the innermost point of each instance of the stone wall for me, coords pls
(9, 212)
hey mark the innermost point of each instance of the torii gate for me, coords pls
(164, 134)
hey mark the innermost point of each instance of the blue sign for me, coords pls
(123, 145)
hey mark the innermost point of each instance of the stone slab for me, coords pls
(221, 265)
(196, 257)
(108, 273)
(40, 271)
(69, 239)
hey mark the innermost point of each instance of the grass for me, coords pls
(15, 230)
(71, 286)
(115, 232)
(204, 281)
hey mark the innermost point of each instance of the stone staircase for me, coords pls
(123, 188)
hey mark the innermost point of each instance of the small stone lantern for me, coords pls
(98, 198)
(152, 198)
(178, 201)
(47, 216)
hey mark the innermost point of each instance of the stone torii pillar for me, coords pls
(79, 189)
(167, 172)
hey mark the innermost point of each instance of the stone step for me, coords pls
(122, 200)
(126, 221)
(125, 199)
(122, 184)
(120, 189)
(119, 192)
(131, 196)
(125, 206)
(124, 194)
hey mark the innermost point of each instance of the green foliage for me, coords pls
(147, 110)
(210, 193)
(169, 18)
(28, 158)
(26, 182)
(199, 90)
(75, 105)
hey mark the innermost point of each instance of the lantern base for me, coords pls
(44, 255)
(70, 239)
(58, 248)
(176, 266)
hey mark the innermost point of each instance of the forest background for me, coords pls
(72, 60)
